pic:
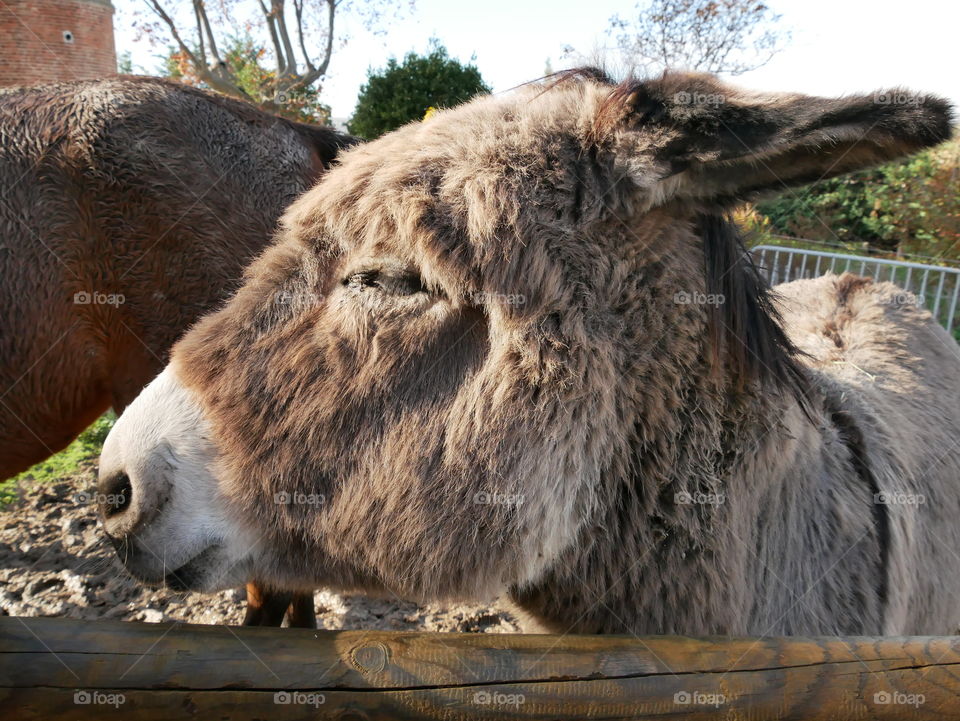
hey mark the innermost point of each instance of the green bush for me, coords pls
(402, 92)
(908, 206)
(83, 451)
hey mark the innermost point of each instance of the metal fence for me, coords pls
(936, 287)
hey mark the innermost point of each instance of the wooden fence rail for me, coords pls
(69, 669)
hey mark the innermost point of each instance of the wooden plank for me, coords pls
(68, 669)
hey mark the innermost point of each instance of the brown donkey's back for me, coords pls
(130, 207)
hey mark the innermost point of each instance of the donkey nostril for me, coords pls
(116, 493)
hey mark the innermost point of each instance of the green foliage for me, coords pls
(84, 450)
(125, 63)
(245, 59)
(910, 206)
(402, 92)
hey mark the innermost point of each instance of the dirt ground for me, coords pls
(55, 561)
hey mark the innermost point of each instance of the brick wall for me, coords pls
(34, 49)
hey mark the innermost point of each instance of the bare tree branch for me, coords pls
(717, 36)
(156, 7)
(298, 63)
(202, 45)
(275, 39)
(202, 12)
(281, 21)
(218, 81)
(298, 10)
(331, 11)
(314, 72)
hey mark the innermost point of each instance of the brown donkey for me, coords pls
(130, 207)
(525, 353)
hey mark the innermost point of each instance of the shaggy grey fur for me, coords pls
(509, 371)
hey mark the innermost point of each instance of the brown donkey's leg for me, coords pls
(301, 613)
(267, 607)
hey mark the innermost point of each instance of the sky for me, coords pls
(837, 46)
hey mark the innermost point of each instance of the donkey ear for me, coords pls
(719, 142)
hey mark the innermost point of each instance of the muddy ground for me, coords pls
(55, 561)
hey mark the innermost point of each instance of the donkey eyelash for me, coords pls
(365, 278)
(400, 284)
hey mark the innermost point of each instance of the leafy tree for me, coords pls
(401, 92)
(300, 36)
(245, 62)
(125, 63)
(714, 36)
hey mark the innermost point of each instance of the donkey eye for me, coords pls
(391, 283)
(362, 279)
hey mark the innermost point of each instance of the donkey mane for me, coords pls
(746, 330)
(745, 327)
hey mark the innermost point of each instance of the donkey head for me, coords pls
(469, 329)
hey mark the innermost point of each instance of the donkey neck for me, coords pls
(706, 510)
